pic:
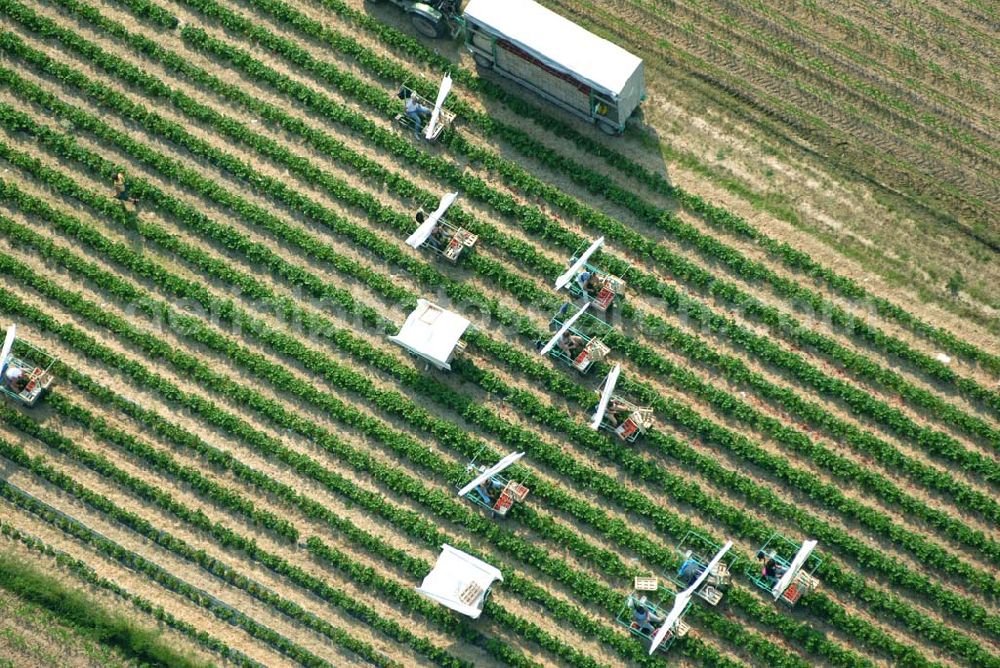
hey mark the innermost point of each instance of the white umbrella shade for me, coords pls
(436, 114)
(455, 576)
(420, 234)
(609, 387)
(432, 333)
(568, 275)
(504, 463)
(562, 330)
(8, 344)
(793, 568)
(685, 596)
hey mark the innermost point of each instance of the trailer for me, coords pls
(550, 55)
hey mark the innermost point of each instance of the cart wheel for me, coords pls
(482, 61)
(427, 27)
(607, 128)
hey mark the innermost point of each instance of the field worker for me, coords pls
(617, 412)
(570, 343)
(414, 110)
(590, 282)
(121, 190)
(690, 570)
(770, 569)
(644, 619)
(15, 378)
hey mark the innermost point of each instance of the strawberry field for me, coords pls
(236, 451)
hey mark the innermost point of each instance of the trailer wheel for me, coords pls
(427, 27)
(608, 128)
(482, 61)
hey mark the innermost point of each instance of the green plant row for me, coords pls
(953, 532)
(597, 183)
(364, 576)
(85, 618)
(160, 461)
(90, 577)
(358, 420)
(858, 400)
(225, 537)
(148, 46)
(134, 561)
(414, 51)
(939, 480)
(290, 383)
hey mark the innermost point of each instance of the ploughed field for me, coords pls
(236, 449)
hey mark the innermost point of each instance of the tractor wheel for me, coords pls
(483, 62)
(427, 27)
(608, 128)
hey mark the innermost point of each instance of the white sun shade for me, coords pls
(609, 387)
(562, 330)
(490, 472)
(442, 94)
(420, 234)
(454, 573)
(568, 275)
(432, 333)
(680, 602)
(8, 343)
(793, 568)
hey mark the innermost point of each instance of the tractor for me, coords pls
(431, 18)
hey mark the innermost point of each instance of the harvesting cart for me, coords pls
(436, 235)
(431, 18)
(617, 415)
(440, 118)
(24, 379)
(491, 490)
(794, 566)
(460, 581)
(432, 333)
(654, 613)
(704, 568)
(584, 280)
(576, 341)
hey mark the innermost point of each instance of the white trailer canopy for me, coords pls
(558, 42)
(609, 387)
(459, 581)
(562, 330)
(568, 275)
(432, 333)
(504, 463)
(8, 344)
(436, 114)
(793, 568)
(420, 234)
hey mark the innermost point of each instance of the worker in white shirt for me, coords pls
(414, 110)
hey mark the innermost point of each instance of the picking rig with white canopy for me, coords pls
(432, 333)
(24, 379)
(586, 281)
(435, 234)
(617, 415)
(440, 119)
(577, 339)
(655, 614)
(491, 490)
(704, 566)
(793, 575)
(460, 581)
